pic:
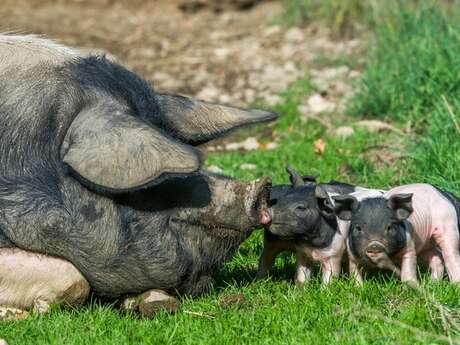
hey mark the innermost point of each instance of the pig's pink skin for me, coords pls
(34, 281)
(435, 224)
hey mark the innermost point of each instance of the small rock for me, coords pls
(3, 342)
(272, 100)
(271, 146)
(209, 93)
(215, 169)
(225, 99)
(318, 104)
(249, 95)
(375, 126)
(294, 35)
(344, 132)
(248, 145)
(272, 30)
(248, 166)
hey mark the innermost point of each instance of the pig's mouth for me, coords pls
(377, 255)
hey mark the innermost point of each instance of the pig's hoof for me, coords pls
(150, 303)
(7, 313)
(153, 301)
(412, 283)
(41, 306)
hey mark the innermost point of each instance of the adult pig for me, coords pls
(410, 221)
(303, 221)
(100, 172)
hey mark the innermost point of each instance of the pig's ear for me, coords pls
(344, 205)
(295, 178)
(402, 205)
(195, 122)
(309, 178)
(324, 201)
(111, 151)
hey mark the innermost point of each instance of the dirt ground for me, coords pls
(226, 55)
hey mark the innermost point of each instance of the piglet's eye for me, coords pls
(389, 228)
(301, 208)
(358, 228)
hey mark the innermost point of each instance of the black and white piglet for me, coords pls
(393, 230)
(303, 221)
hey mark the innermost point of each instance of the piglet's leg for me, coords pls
(409, 264)
(447, 238)
(150, 303)
(355, 272)
(433, 259)
(331, 268)
(303, 270)
(267, 258)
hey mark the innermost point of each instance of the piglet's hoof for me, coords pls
(150, 303)
(414, 284)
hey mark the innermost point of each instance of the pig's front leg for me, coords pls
(447, 238)
(409, 264)
(150, 303)
(355, 272)
(303, 270)
(331, 268)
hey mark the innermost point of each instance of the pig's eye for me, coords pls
(301, 208)
(389, 228)
(358, 228)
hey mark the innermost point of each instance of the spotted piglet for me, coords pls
(303, 222)
(392, 231)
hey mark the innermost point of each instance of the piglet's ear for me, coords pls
(295, 178)
(324, 201)
(344, 206)
(402, 205)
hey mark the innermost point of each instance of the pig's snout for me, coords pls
(260, 204)
(374, 249)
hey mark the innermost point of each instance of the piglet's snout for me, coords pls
(375, 248)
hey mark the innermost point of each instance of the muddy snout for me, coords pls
(260, 202)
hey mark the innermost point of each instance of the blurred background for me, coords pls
(232, 51)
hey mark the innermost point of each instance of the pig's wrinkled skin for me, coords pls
(427, 229)
(303, 222)
(98, 172)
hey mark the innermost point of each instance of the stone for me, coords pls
(248, 166)
(318, 104)
(215, 169)
(294, 35)
(344, 132)
(248, 145)
(375, 126)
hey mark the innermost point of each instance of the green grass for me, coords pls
(348, 18)
(274, 311)
(413, 62)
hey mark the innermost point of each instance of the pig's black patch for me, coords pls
(374, 220)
